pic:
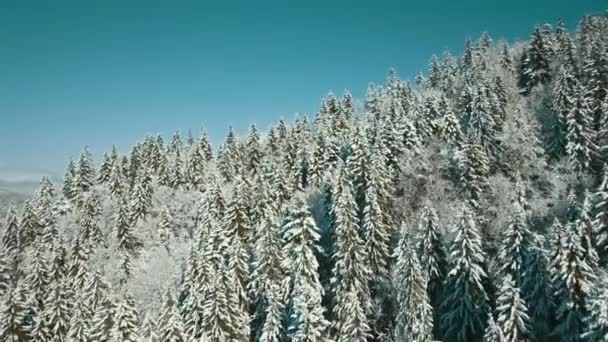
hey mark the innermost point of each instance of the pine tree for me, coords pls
(536, 68)
(80, 323)
(38, 276)
(125, 328)
(171, 327)
(465, 306)
(516, 242)
(105, 169)
(512, 313)
(57, 310)
(597, 306)
(493, 332)
(414, 321)
(13, 312)
(6, 271)
(69, 189)
(580, 146)
(165, 228)
(537, 291)
(307, 321)
(433, 259)
(574, 281)
(351, 274)
(11, 240)
(86, 171)
(123, 230)
(103, 323)
(600, 222)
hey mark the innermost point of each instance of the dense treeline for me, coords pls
(471, 206)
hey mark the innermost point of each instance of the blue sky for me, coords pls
(108, 72)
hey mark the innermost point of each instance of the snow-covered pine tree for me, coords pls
(11, 239)
(117, 184)
(69, 181)
(105, 169)
(513, 319)
(414, 321)
(170, 326)
(88, 220)
(466, 303)
(433, 258)
(600, 222)
(86, 171)
(38, 277)
(80, 322)
(537, 291)
(13, 316)
(515, 244)
(104, 321)
(580, 146)
(57, 310)
(574, 282)
(536, 69)
(307, 321)
(597, 307)
(126, 321)
(585, 231)
(351, 273)
(6, 273)
(126, 240)
(164, 228)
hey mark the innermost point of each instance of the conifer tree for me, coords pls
(433, 258)
(13, 312)
(580, 146)
(536, 70)
(512, 313)
(351, 273)
(80, 323)
(597, 306)
(600, 222)
(516, 243)
(86, 171)
(69, 181)
(414, 321)
(5, 273)
(493, 332)
(57, 310)
(465, 306)
(171, 327)
(125, 328)
(104, 322)
(105, 169)
(123, 230)
(11, 240)
(117, 182)
(574, 281)
(165, 228)
(537, 291)
(307, 321)
(38, 277)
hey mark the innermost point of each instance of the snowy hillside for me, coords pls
(469, 206)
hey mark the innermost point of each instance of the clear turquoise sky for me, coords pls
(102, 72)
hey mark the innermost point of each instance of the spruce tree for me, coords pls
(104, 321)
(493, 332)
(536, 68)
(512, 313)
(302, 285)
(414, 321)
(11, 240)
(351, 273)
(57, 310)
(123, 229)
(13, 312)
(69, 181)
(433, 258)
(516, 243)
(600, 222)
(465, 305)
(171, 327)
(86, 171)
(80, 323)
(126, 325)
(580, 146)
